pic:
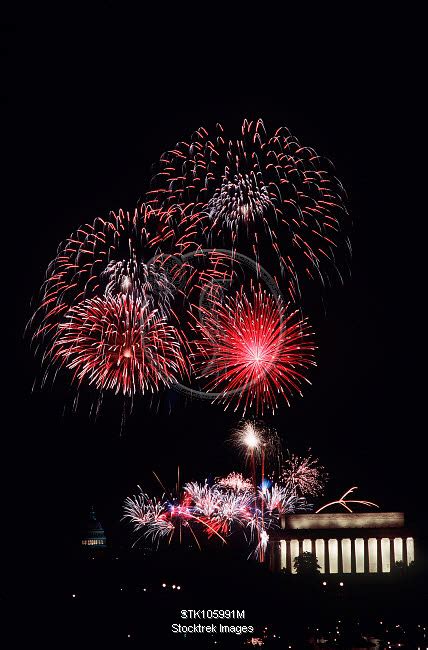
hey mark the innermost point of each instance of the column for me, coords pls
(379, 555)
(386, 554)
(320, 553)
(410, 543)
(333, 548)
(346, 555)
(359, 554)
(295, 552)
(398, 549)
(307, 546)
(283, 555)
(300, 546)
(339, 556)
(353, 569)
(366, 555)
(373, 558)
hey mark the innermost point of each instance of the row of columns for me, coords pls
(309, 545)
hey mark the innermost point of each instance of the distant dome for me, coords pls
(93, 534)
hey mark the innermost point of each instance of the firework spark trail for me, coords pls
(259, 189)
(141, 508)
(147, 513)
(259, 444)
(118, 344)
(251, 349)
(344, 502)
(206, 499)
(279, 498)
(234, 509)
(260, 550)
(219, 507)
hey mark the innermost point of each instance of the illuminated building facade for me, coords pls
(93, 536)
(343, 543)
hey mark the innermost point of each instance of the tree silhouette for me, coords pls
(398, 567)
(306, 564)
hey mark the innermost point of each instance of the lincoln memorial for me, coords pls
(343, 543)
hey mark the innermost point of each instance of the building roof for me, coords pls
(326, 520)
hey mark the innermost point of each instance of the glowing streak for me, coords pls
(342, 501)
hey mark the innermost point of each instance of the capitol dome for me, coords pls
(93, 534)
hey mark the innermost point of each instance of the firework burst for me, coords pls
(235, 510)
(260, 189)
(249, 437)
(234, 504)
(304, 475)
(115, 303)
(220, 509)
(235, 481)
(230, 505)
(181, 512)
(256, 441)
(277, 498)
(206, 499)
(111, 257)
(118, 344)
(147, 513)
(251, 349)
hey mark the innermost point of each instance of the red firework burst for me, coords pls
(116, 255)
(250, 349)
(259, 191)
(119, 344)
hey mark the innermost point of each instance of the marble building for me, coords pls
(343, 543)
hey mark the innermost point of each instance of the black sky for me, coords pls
(92, 102)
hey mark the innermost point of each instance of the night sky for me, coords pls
(90, 107)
